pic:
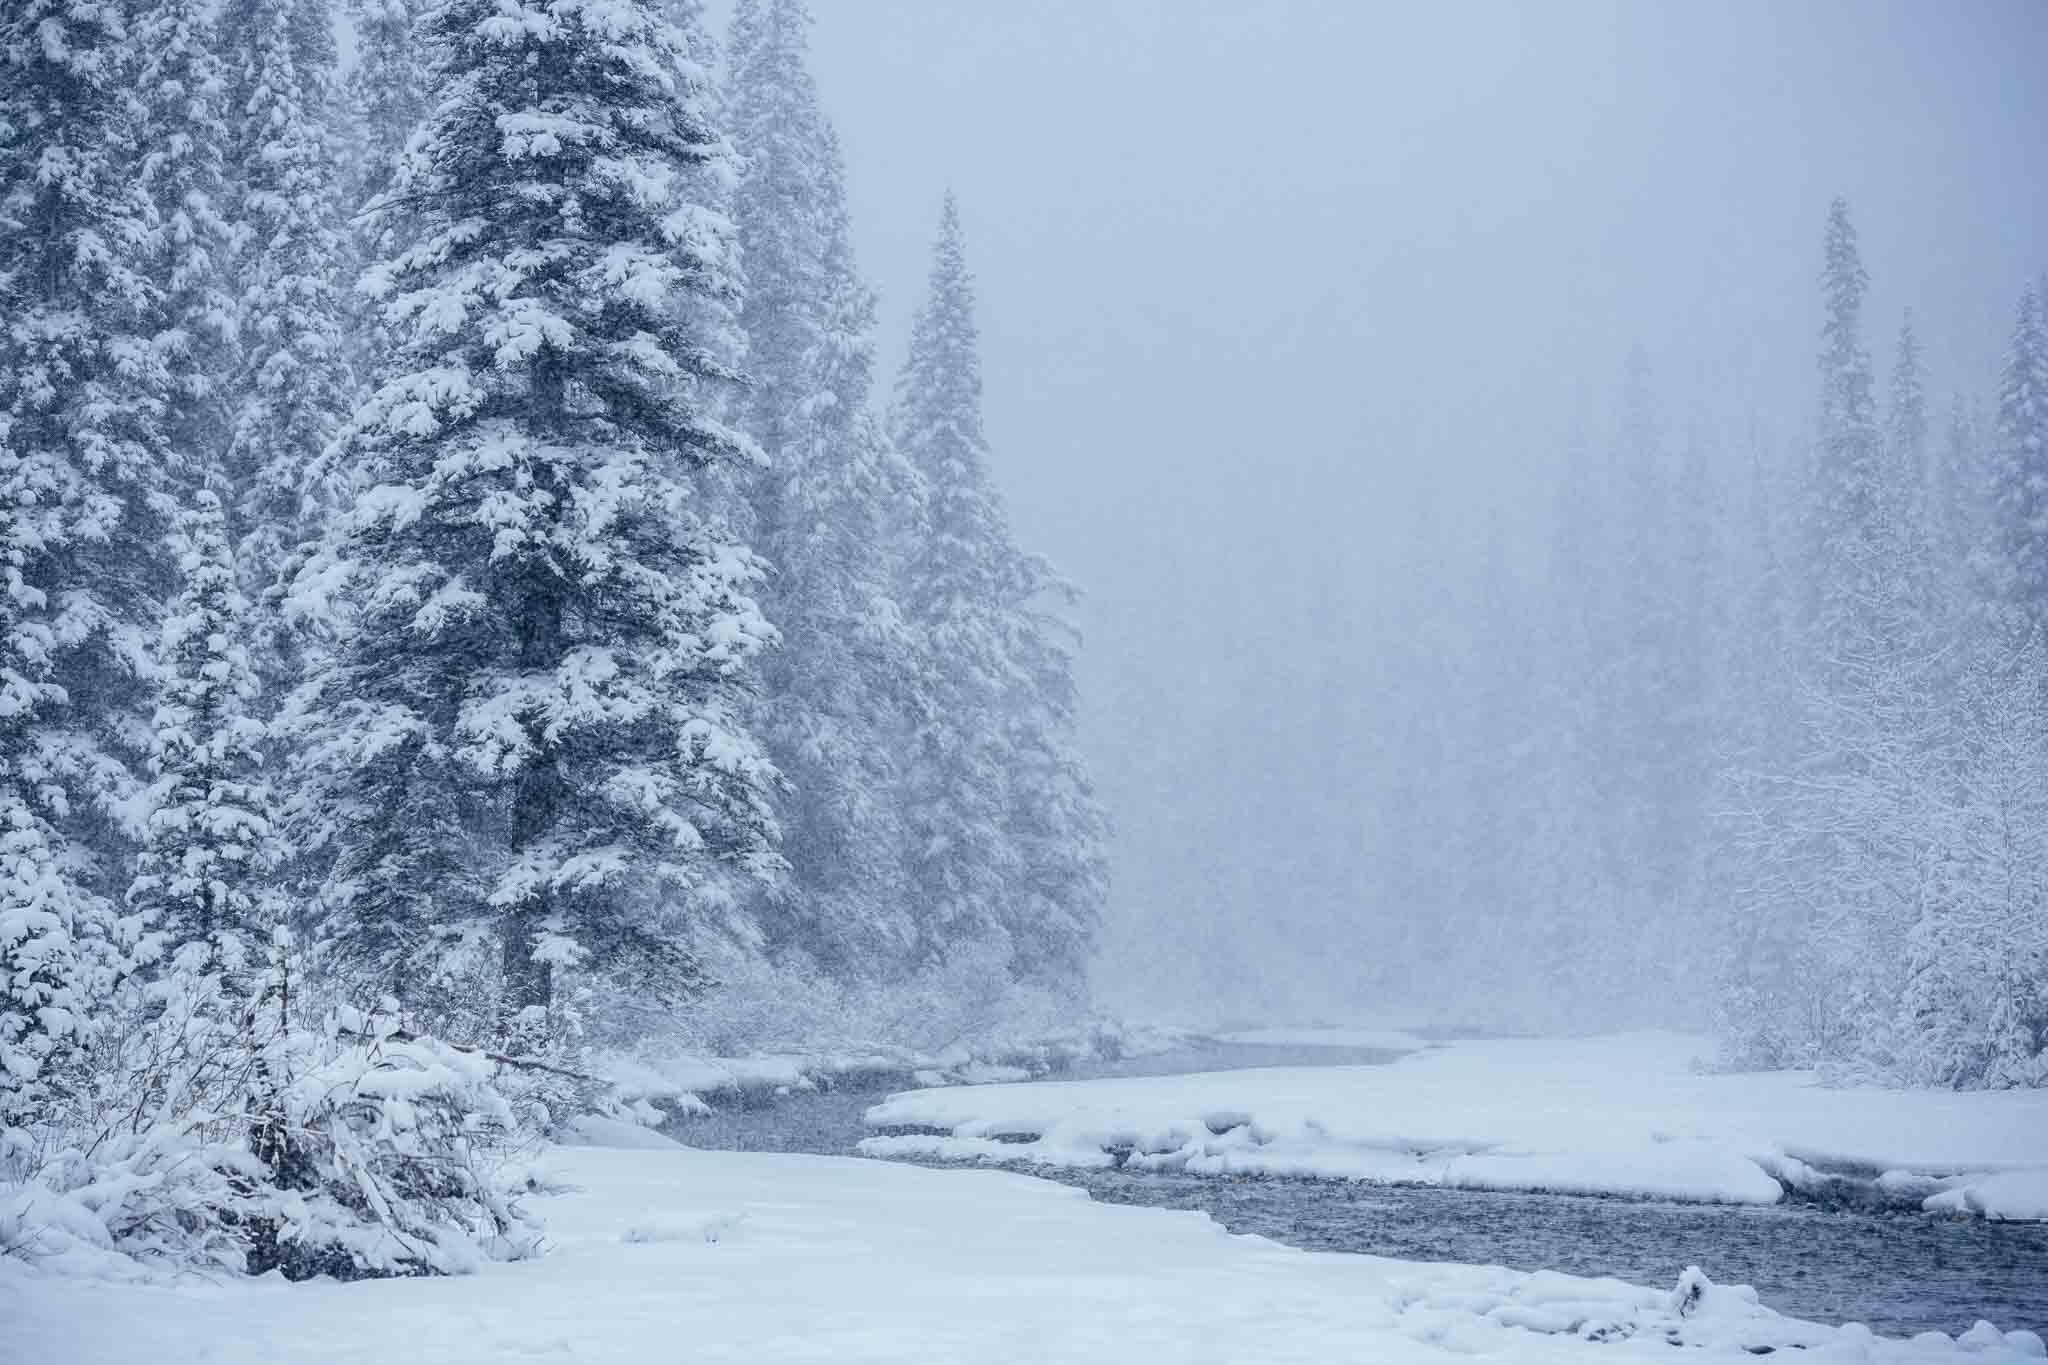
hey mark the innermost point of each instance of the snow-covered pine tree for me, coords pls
(1848, 497)
(1752, 859)
(181, 89)
(1847, 826)
(832, 715)
(293, 384)
(1977, 953)
(956, 579)
(198, 888)
(84, 475)
(1906, 421)
(218, 1119)
(533, 720)
(388, 92)
(2012, 942)
(1908, 543)
(712, 318)
(1053, 818)
(988, 666)
(385, 98)
(1959, 514)
(2019, 553)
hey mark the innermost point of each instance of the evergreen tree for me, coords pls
(1915, 579)
(53, 939)
(293, 383)
(1053, 820)
(1848, 498)
(1907, 544)
(182, 91)
(713, 317)
(1755, 864)
(1845, 831)
(532, 721)
(956, 575)
(210, 840)
(84, 471)
(1973, 961)
(987, 665)
(831, 714)
(1906, 423)
(388, 92)
(1958, 486)
(2019, 557)
(386, 99)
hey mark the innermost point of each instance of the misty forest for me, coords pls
(533, 687)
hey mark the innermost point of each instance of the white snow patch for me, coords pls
(2007, 1195)
(862, 1261)
(708, 1228)
(595, 1130)
(1628, 1115)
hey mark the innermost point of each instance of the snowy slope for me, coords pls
(1620, 1115)
(715, 1256)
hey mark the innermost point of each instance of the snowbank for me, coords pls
(680, 1082)
(598, 1130)
(717, 1256)
(1624, 1115)
(2010, 1195)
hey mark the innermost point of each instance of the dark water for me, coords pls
(1899, 1273)
(829, 1121)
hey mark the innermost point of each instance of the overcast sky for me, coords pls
(1252, 270)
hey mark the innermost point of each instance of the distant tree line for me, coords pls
(1766, 742)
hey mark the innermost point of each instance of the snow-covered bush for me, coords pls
(383, 1151)
(1750, 1027)
(203, 1127)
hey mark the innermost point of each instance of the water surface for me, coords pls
(1900, 1273)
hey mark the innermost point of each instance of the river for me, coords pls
(1900, 1273)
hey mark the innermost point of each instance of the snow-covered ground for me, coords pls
(1388, 1039)
(668, 1254)
(1621, 1115)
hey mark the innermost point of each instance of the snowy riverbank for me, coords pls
(1624, 1115)
(661, 1085)
(715, 1256)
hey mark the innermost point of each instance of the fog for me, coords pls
(1420, 629)
(1267, 286)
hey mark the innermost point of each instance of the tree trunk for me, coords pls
(536, 799)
